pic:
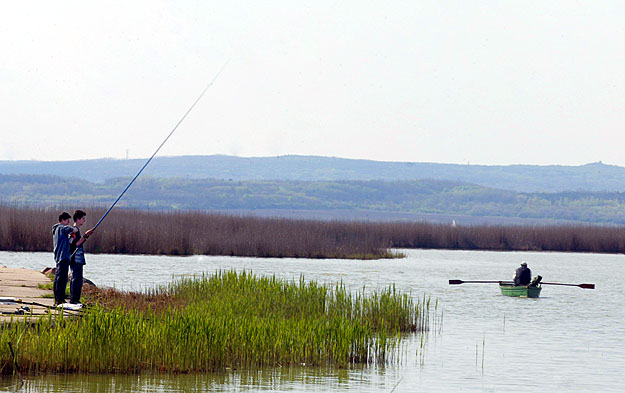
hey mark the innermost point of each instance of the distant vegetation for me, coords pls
(194, 233)
(209, 323)
(187, 233)
(417, 196)
(520, 178)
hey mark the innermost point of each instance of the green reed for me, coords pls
(228, 319)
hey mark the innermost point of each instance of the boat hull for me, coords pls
(520, 291)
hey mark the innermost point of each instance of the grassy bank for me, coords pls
(200, 233)
(207, 323)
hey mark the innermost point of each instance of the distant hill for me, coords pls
(422, 197)
(521, 178)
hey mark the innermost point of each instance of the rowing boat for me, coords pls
(508, 289)
(532, 290)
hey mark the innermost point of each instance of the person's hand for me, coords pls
(88, 232)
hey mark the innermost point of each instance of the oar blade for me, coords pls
(587, 286)
(455, 282)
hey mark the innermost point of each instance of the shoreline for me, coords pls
(233, 319)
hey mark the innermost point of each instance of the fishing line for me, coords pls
(161, 145)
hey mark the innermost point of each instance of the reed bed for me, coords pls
(201, 233)
(194, 233)
(207, 323)
(562, 238)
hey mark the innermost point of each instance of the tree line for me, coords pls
(416, 196)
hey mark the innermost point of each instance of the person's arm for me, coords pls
(84, 237)
(67, 230)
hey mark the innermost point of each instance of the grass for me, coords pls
(49, 286)
(208, 323)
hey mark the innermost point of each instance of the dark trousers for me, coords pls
(60, 281)
(75, 286)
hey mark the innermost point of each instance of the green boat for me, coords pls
(508, 289)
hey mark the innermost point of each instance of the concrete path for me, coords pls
(22, 284)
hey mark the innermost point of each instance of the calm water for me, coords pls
(569, 340)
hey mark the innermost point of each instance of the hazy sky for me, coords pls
(485, 82)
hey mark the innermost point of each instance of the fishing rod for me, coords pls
(10, 300)
(157, 150)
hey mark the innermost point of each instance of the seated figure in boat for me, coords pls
(523, 275)
(536, 281)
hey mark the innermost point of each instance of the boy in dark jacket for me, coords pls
(61, 245)
(78, 256)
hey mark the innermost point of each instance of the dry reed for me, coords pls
(201, 233)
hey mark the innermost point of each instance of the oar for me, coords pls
(456, 282)
(585, 286)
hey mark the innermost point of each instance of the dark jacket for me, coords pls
(523, 276)
(78, 252)
(60, 242)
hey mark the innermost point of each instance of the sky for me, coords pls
(479, 82)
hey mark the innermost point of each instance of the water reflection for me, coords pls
(282, 379)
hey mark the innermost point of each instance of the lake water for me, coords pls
(569, 340)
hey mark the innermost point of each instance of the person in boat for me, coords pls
(62, 255)
(523, 275)
(78, 256)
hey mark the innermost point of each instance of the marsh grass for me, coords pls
(128, 231)
(207, 323)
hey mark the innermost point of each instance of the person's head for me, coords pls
(64, 218)
(524, 264)
(79, 217)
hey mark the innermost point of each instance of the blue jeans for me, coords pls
(75, 286)
(60, 281)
